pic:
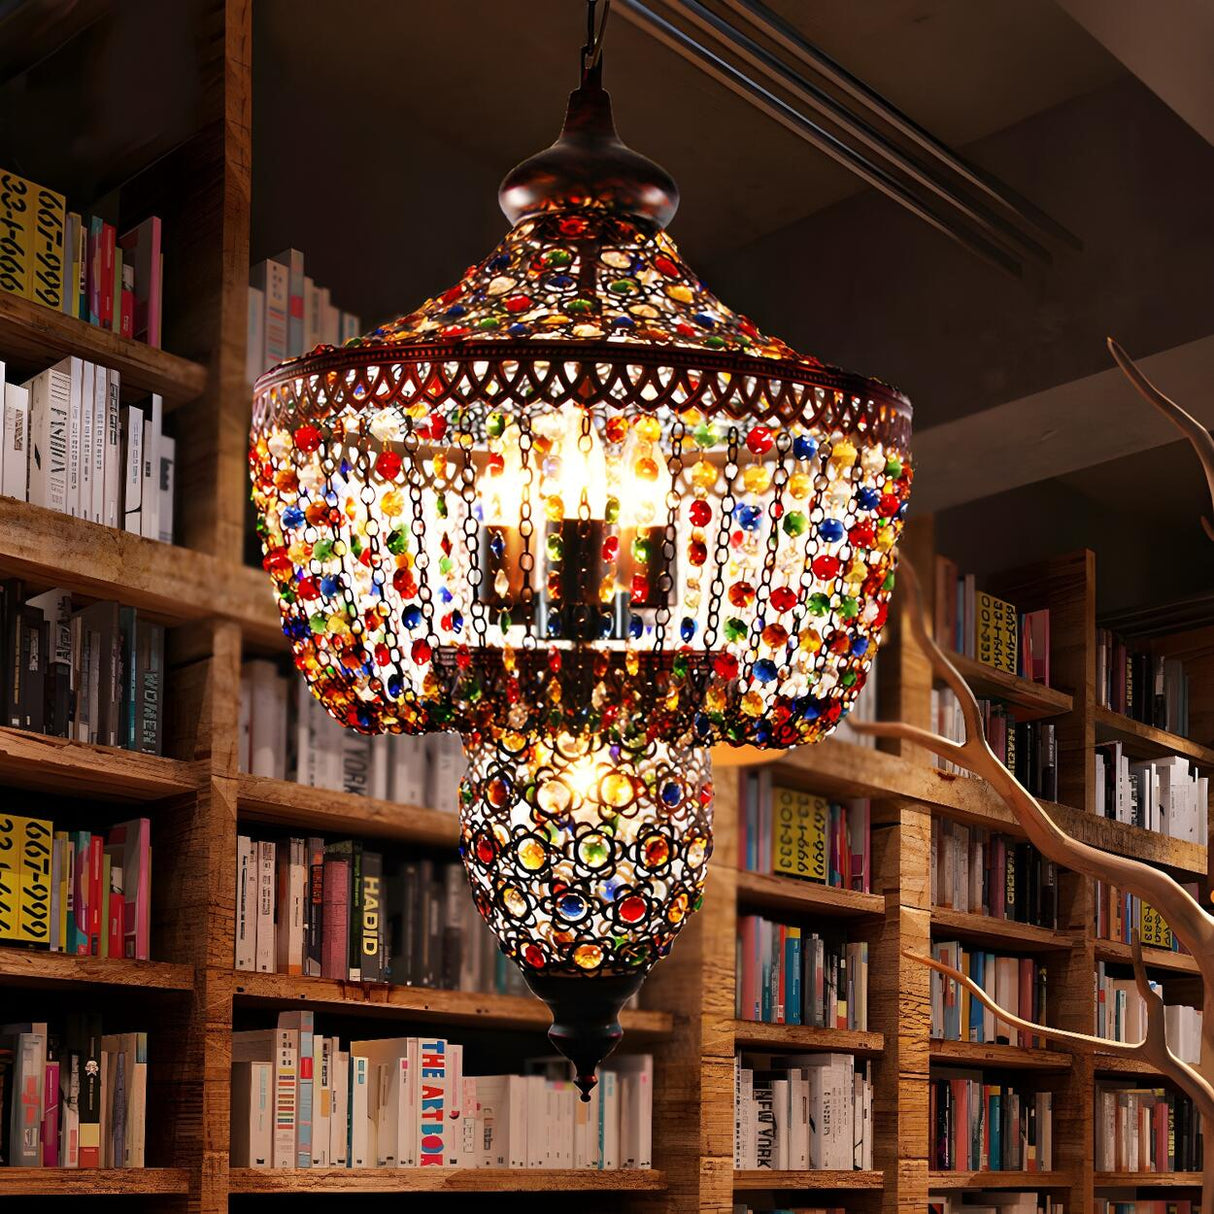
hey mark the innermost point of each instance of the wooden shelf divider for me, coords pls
(1145, 741)
(758, 1179)
(1028, 701)
(443, 1180)
(771, 891)
(25, 967)
(92, 1182)
(941, 1181)
(1000, 933)
(756, 1034)
(1010, 1057)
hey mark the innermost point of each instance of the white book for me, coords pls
(454, 1085)
(291, 894)
(330, 326)
(132, 469)
(115, 472)
(609, 1107)
(359, 1114)
(305, 746)
(432, 1128)
(243, 723)
(101, 397)
(252, 1114)
(339, 1122)
(84, 479)
(50, 400)
(14, 458)
(69, 1112)
(636, 1117)
(246, 903)
(266, 942)
(779, 1113)
(74, 367)
(28, 1072)
(312, 313)
(153, 426)
(168, 475)
(409, 766)
(322, 1099)
(445, 770)
(470, 1125)
(384, 1097)
(286, 1097)
(270, 277)
(255, 335)
(586, 1131)
(493, 1114)
(268, 720)
(380, 761)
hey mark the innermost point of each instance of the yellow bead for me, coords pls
(857, 571)
(554, 508)
(800, 485)
(649, 428)
(393, 503)
(843, 454)
(632, 661)
(810, 640)
(714, 698)
(756, 478)
(680, 293)
(703, 474)
(752, 704)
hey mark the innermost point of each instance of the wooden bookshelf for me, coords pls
(1027, 701)
(443, 1180)
(758, 1035)
(1145, 741)
(1003, 1057)
(92, 1182)
(22, 967)
(759, 1179)
(999, 933)
(940, 1182)
(1153, 958)
(770, 892)
(1148, 1180)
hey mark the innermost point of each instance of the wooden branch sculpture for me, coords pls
(1188, 920)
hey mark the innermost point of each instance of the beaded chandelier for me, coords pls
(581, 512)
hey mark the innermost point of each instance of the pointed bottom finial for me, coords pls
(586, 1084)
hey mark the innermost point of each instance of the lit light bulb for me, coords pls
(645, 481)
(502, 485)
(583, 470)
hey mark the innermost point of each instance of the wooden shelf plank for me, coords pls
(1148, 1180)
(469, 1009)
(1154, 958)
(754, 1034)
(283, 802)
(442, 1180)
(33, 337)
(756, 1179)
(939, 1181)
(38, 762)
(168, 583)
(1145, 741)
(1027, 700)
(89, 1182)
(1013, 1057)
(772, 891)
(1000, 933)
(24, 967)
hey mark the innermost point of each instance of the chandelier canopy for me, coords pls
(578, 510)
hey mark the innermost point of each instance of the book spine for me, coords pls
(16, 235)
(48, 279)
(286, 1097)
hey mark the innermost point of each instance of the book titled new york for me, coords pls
(997, 633)
(800, 834)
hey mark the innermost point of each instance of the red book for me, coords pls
(141, 248)
(114, 927)
(335, 943)
(50, 1114)
(96, 869)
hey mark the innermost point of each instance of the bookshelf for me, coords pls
(218, 611)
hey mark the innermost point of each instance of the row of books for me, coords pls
(979, 625)
(94, 674)
(342, 910)
(1017, 984)
(1163, 795)
(996, 1127)
(743, 1208)
(1121, 1015)
(69, 891)
(789, 975)
(986, 1202)
(975, 871)
(1142, 685)
(79, 265)
(1119, 914)
(70, 445)
(290, 315)
(303, 1100)
(74, 1097)
(1028, 749)
(795, 834)
(1145, 1205)
(286, 734)
(799, 1111)
(1141, 1129)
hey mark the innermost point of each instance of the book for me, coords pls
(133, 433)
(48, 233)
(16, 235)
(141, 247)
(293, 260)
(50, 405)
(14, 454)
(270, 278)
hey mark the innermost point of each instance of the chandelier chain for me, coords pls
(526, 531)
(592, 51)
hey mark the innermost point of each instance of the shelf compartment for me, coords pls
(92, 1182)
(285, 803)
(442, 1180)
(34, 337)
(1011, 1057)
(940, 1181)
(772, 891)
(40, 762)
(1000, 933)
(1028, 701)
(23, 967)
(464, 1008)
(1153, 958)
(752, 1180)
(755, 1034)
(1145, 741)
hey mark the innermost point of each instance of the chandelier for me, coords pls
(581, 512)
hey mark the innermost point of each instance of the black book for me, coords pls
(12, 595)
(83, 1036)
(148, 687)
(455, 890)
(356, 911)
(34, 640)
(425, 965)
(373, 957)
(7, 1065)
(402, 923)
(433, 956)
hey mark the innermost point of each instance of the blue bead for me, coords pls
(292, 517)
(749, 517)
(705, 320)
(518, 329)
(672, 794)
(635, 626)
(498, 263)
(860, 646)
(329, 585)
(831, 530)
(808, 708)
(554, 626)
(762, 732)
(804, 447)
(572, 906)
(457, 621)
(294, 628)
(687, 629)
(411, 616)
(764, 670)
(444, 595)
(497, 545)
(396, 686)
(867, 498)
(703, 725)
(624, 322)
(364, 718)
(456, 310)
(560, 281)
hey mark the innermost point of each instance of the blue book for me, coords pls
(792, 977)
(994, 1115)
(978, 974)
(765, 948)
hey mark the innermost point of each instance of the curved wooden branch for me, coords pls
(1183, 913)
(1199, 437)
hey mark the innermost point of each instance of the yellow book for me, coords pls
(64, 845)
(16, 234)
(34, 881)
(800, 834)
(10, 871)
(49, 254)
(1153, 929)
(996, 633)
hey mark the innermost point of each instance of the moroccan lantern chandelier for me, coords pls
(581, 512)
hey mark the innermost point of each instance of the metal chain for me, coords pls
(526, 528)
(421, 558)
(472, 531)
(716, 588)
(775, 513)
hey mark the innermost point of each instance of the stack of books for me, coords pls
(290, 315)
(72, 1097)
(790, 975)
(69, 891)
(1001, 1202)
(1142, 1129)
(94, 674)
(998, 1127)
(79, 265)
(344, 911)
(1141, 685)
(1163, 795)
(798, 1111)
(68, 444)
(304, 1100)
(1119, 914)
(286, 734)
(979, 625)
(1121, 1015)
(1017, 984)
(975, 871)
(796, 834)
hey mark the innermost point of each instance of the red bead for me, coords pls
(632, 909)
(726, 665)
(404, 584)
(700, 513)
(307, 438)
(759, 440)
(825, 567)
(382, 654)
(611, 548)
(697, 552)
(518, 303)
(862, 535)
(741, 594)
(640, 588)
(664, 265)
(307, 589)
(388, 464)
(421, 651)
(783, 598)
(452, 294)
(888, 506)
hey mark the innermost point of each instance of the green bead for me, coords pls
(612, 511)
(705, 435)
(318, 623)
(849, 608)
(398, 541)
(893, 466)
(555, 547)
(642, 550)
(444, 564)
(322, 550)
(888, 584)
(714, 341)
(495, 425)
(795, 523)
(578, 306)
(819, 604)
(848, 678)
(735, 629)
(487, 322)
